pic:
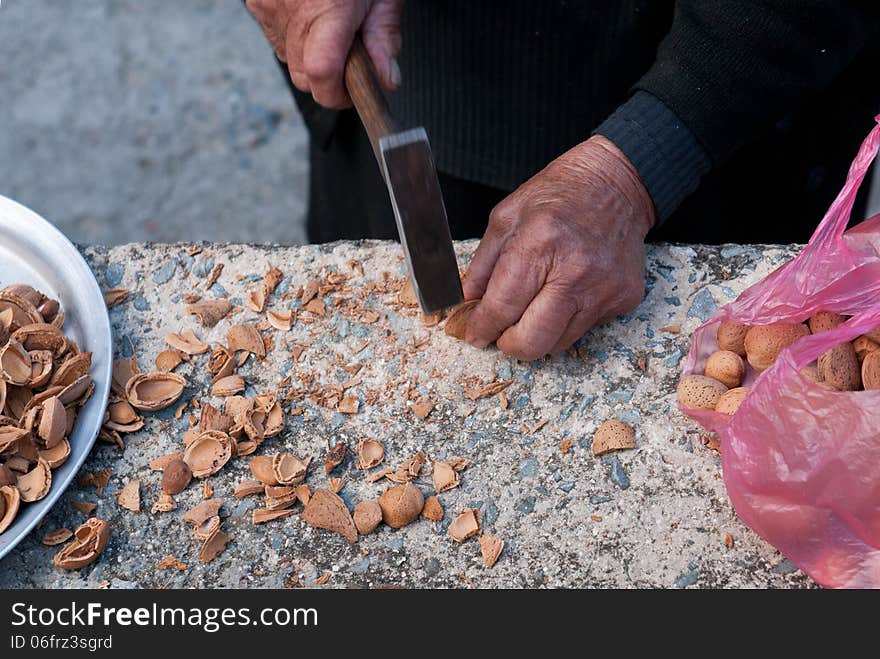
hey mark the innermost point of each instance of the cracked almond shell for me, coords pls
(466, 525)
(154, 391)
(41, 336)
(42, 366)
(15, 363)
(370, 453)
(186, 342)
(401, 505)
(228, 386)
(262, 469)
(88, 542)
(327, 510)
(72, 369)
(491, 547)
(207, 454)
(444, 476)
(23, 311)
(202, 512)
(214, 545)
(210, 312)
(334, 457)
(53, 423)
(36, 483)
(57, 455)
(168, 360)
(245, 336)
(457, 320)
(10, 498)
(288, 469)
(130, 496)
(433, 510)
(613, 435)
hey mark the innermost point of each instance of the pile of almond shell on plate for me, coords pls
(44, 380)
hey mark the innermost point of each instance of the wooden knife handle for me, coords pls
(366, 94)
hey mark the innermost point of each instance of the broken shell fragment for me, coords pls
(35, 484)
(187, 342)
(432, 510)
(210, 312)
(207, 528)
(466, 525)
(444, 476)
(203, 512)
(280, 320)
(245, 337)
(247, 488)
(9, 503)
(228, 386)
(367, 515)
(214, 545)
(280, 496)
(491, 547)
(274, 422)
(56, 537)
(401, 505)
(88, 542)
(57, 455)
(327, 510)
(15, 363)
(165, 503)
(348, 405)
(53, 423)
(23, 311)
(42, 364)
(176, 476)
(123, 371)
(288, 469)
(130, 496)
(613, 435)
(370, 453)
(207, 454)
(168, 360)
(457, 320)
(262, 515)
(262, 469)
(41, 336)
(334, 457)
(154, 391)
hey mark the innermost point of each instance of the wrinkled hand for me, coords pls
(314, 37)
(562, 253)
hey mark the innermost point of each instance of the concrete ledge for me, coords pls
(655, 516)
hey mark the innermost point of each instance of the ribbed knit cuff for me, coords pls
(663, 150)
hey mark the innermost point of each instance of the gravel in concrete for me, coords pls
(655, 516)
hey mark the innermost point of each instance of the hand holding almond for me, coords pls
(562, 253)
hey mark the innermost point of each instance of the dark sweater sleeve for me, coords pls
(727, 70)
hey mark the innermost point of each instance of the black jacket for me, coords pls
(762, 104)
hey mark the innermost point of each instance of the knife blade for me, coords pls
(408, 168)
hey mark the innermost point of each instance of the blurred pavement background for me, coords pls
(126, 120)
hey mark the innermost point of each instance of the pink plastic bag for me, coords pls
(802, 463)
